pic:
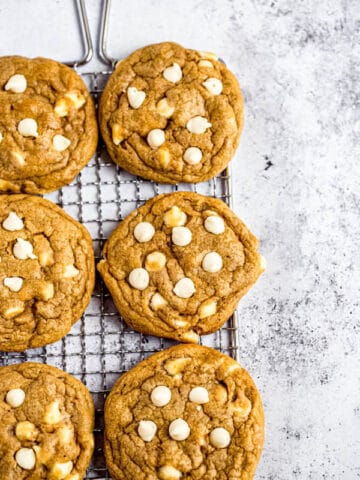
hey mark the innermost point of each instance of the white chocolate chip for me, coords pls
(76, 98)
(155, 261)
(73, 99)
(13, 223)
(139, 278)
(263, 263)
(23, 249)
(209, 55)
(156, 138)
(164, 108)
(28, 127)
(118, 134)
(157, 301)
(14, 310)
(70, 271)
(198, 124)
(231, 121)
(241, 408)
(179, 430)
(147, 430)
(220, 438)
(205, 63)
(60, 143)
(167, 472)
(47, 291)
(174, 366)
(60, 471)
(199, 395)
(52, 413)
(164, 157)
(175, 217)
(214, 224)
(207, 308)
(17, 159)
(65, 434)
(15, 397)
(213, 85)
(212, 262)
(135, 97)
(173, 74)
(13, 283)
(16, 83)
(5, 185)
(192, 155)
(232, 368)
(161, 396)
(208, 213)
(190, 336)
(180, 323)
(220, 394)
(1, 137)
(61, 107)
(144, 232)
(25, 458)
(184, 288)
(26, 431)
(46, 257)
(181, 236)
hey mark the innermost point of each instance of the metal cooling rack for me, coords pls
(100, 346)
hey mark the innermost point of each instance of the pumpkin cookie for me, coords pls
(48, 129)
(177, 266)
(46, 272)
(171, 114)
(186, 412)
(46, 427)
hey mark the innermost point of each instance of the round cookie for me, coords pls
(47, 272)
(186, 412)
(47, 421)
(48, 129)
(171, 114)
(177, 266)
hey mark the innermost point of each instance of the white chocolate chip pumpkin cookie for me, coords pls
(48, 129)
(46, 272)
(177, 266)
(186, 412)
(46, 426)
(171, 114)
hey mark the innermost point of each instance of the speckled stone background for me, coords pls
(296, 178)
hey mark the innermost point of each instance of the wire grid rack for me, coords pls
(100, 346)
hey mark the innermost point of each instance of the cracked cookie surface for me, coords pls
(177, 266)
(48, 129)
(46, 272)
(171, 114)
(46, 427)
(186, 412)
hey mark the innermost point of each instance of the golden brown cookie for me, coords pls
(177, 266)
(186, 412)
(48, 129)
(171, 114)
(46, 427)
(46, 272)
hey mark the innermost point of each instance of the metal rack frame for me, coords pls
(100, 345)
